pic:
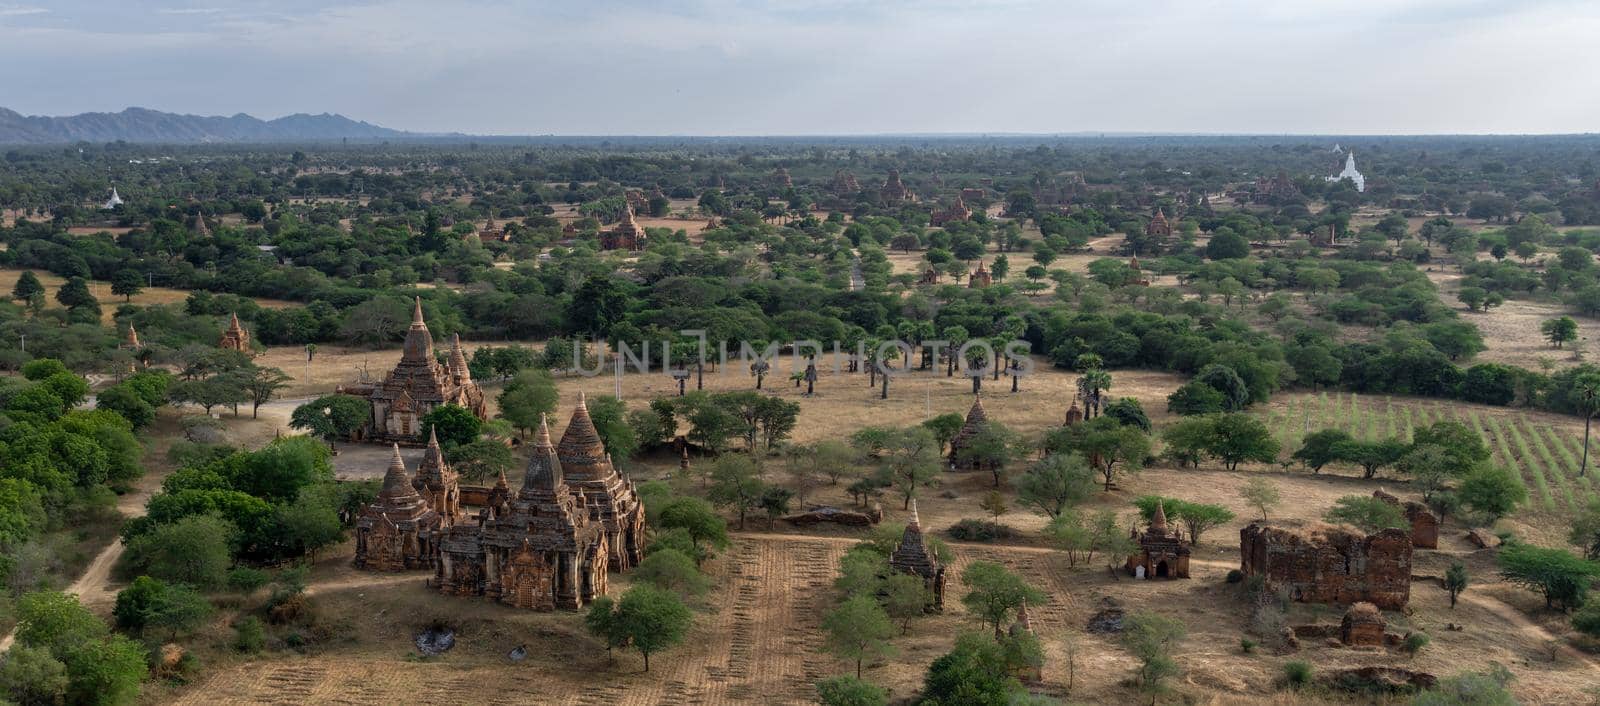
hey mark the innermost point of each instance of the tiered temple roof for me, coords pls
(627, 235)
(394, 532)
(976, 418)
(1158, 226)
(980, 277)
(913, 556)
(235, 338)
(893, 191)
(845, 184)
(587, 468)
(1162, 553)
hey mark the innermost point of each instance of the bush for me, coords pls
(1247, 645)
(249, 635)
(246, 579)
(1235, 576)
(971, 530)
(850, 691)
(1297, 673)
(1414, 643)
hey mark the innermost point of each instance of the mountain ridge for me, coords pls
(135, 124)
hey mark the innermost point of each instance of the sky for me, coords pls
(816, 67)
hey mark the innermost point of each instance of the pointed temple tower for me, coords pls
(976, 418)
(610, 497)
(235, 338)
(418, 384)
(913, 556)
(438, 484)
(539, 550)
(627, 235)
(980, 277)
(398, 530)
(1163, 553)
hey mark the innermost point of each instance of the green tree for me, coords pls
(1366, 512)
(1151, 638)
(695, 517)
(1587, 619)
(944, 427)
(1240, 437)
(652, 619)
(30, 676)
(1585, 531)
(994, 593)
(1319, 448)
(149, 604)
(601, 622)
(850, 691)
(482, 459)
(454, 425)
(310, 523)
(1109, 446)
(1056, 483)
(1560, 576)
(1371, 455)
(974, 673)
(1492, 491)
(1559, 331)
(910, 459)
(858, 630)
(905, 598)
(332, 417)
(126, 284)
(193, 551)
(261, 385)
(736, 482)
(28, 290)
(527, 398)
(671, 570)
(1455, 580)
(1261, 494)
(994, 447)
(125, 401)
(610, 417)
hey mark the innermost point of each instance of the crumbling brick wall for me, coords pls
(1321, 563)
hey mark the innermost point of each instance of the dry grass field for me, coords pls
(758, 637)
(102, 291)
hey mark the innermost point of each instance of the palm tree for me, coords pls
(1586, 390)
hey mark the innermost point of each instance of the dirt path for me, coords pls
(1527, 627)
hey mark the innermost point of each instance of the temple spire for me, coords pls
(916, 520)
(416, 311)
(1159, 522)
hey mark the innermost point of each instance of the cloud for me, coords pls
(21, 11)
(828, 66)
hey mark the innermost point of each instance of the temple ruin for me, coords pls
(627, 235)
(976, 418)
(235, 338)
(1424, 524)
(1163, 553)
(541, 549)
(914, 556)
(398, 530)
(417, 385)
(1321, 563)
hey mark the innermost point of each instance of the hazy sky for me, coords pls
(728, 67)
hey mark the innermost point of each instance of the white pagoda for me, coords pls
(114, 201)
(1350, 172)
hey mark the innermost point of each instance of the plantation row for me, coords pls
(1546, 459)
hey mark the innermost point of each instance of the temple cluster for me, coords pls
(548, 546)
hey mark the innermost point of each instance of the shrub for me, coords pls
(246, 579)
(1414, 643)
(1297, 673)
(972, 530)
(1235, 576)
(249, 635)
(1587, 619)
(1247, 645)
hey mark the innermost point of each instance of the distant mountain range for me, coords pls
(145, 125)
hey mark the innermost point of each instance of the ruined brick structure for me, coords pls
(1362, 626)
(398, 531)
(437, 483)
(977, 195)
(1424, 524)
(417, 385)
(893, 191)
(913, 556)
(1163, 553)
(980, 277)
(130, 342)
(235, 338)
(1074, 414)
(957, 211)
(976, 418)
(627, 235)
(493, 233)
(1321, 563)
(845, 184)
(1158, 227)
(781, 179)
(541, 549)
